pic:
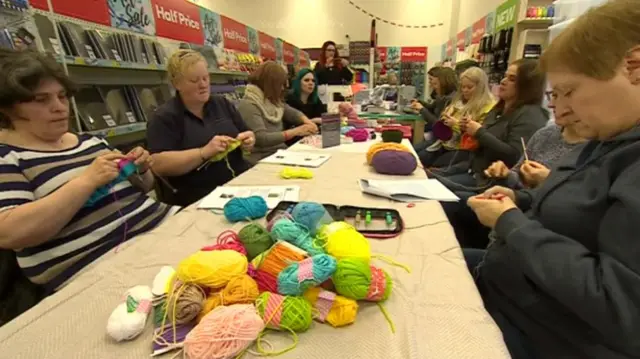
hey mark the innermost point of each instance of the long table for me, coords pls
(436, 308)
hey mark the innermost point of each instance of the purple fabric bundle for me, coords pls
(442, 131)
(391, 162)
(358, 134)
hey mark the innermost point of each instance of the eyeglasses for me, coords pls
(550, 95)
(330, 50)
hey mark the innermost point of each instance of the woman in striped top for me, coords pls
(48, 175)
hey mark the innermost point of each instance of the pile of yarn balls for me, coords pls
(319, 268)
(391, 159)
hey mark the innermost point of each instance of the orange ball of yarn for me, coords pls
(279, 256)
(240, 290)
(385, 146)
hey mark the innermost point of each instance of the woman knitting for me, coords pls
(265, 112)
(189, 130)
(474, 100)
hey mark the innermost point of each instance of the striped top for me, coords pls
(29, 175)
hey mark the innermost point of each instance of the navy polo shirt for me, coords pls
(174, 128)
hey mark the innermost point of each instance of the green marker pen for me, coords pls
(389, 218)
(367, 217)
(358, 218)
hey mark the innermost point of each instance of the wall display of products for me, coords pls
(359, 52)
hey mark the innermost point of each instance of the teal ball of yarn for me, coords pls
(311, 215)
(296, 278)
(298, 235)
(245, 209)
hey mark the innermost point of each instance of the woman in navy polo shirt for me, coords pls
(193, 127)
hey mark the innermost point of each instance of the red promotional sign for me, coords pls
(178, 20)
(91, 10)
(267, 46)
(413, 54)
(235, 35)
(460, 41)
(479, 30)
(288, 55)
(382, 54)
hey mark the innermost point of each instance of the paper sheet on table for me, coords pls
(408, 190)
(301, 159)
(272, 194)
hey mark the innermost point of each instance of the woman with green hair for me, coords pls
(304, 96)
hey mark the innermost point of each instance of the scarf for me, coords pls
(270, 111)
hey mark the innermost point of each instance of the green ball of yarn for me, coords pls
(356, 279)
(283, 312)
(392, 136)
(256, 239)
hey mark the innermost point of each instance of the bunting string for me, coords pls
(392, 22)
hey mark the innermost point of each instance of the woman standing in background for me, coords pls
(193, 127)
(265, 112)
(331, 69)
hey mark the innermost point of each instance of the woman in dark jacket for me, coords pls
(443, 82)
(514, 119)
(304, 95)
(562, 278)
(331, 69)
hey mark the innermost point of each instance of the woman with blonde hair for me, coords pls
(474, 100)
(189, 130)
(266, 113)
(562, 277)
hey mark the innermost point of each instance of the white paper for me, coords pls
(295, 158)
(109, 120)
(130, 117)
(408, 190)
(272, 194)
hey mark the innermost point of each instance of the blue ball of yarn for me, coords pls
(298, 235)
(311, 215)
(290, 283)
(245, 209)
(346, 129)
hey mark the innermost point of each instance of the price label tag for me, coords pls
(115, 63)
(130, 117)
(92, 55)
(79, 60)
(56, 45)
(109, 120)
(144, 58)
(116, 55)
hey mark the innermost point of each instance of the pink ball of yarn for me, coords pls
(266, 282)
(227, 240)
(358, 134)
(224, 333)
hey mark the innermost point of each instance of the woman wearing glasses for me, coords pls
(332, 69)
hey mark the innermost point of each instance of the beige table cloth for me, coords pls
(436, 308)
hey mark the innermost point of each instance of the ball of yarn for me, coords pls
(256, 239)
(345, 129)
(392, 136)
(227, 240)
(280, 256)
(129, 318)
(213, 269)
(375, 148)
(240, 290)
(276, 218)
(348, 243)
(334, 309)
(224, 333)
(296, 278)
(357, 279)
(296, 234)
(358, 134)
(267, 282)
(442, 131)
(245, 209)
(312, 215)
(282, 312)
(296, 173)
(331, 228)
(394, 163)
(185, 303)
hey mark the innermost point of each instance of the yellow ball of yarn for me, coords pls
(343, 310)
(212, 269)
(384, 146)
(348, 243)
(328, 229)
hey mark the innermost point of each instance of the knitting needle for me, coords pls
(164, 181)
(524, 149)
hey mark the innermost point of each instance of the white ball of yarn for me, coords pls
(125, 325)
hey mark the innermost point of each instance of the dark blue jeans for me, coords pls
(469, 231)
(517, 343)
